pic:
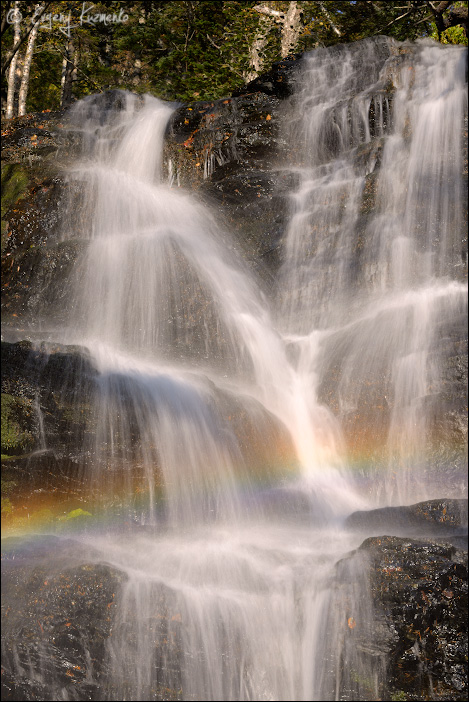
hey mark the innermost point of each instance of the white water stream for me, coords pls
(232, 589)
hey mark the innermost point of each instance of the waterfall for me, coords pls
(366, 295)
(175, 322)
(228, 424)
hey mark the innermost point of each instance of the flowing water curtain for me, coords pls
(378, 279)
(172, 320)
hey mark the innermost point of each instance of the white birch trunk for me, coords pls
(12, 74)
(329, 19)
(24, 87)
(256, 58)
(68, 70)
(291, 29)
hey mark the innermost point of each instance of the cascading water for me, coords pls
(203, 392)
(168, 289)
(366, 295)
(158, 265)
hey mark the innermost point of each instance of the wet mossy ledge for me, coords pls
(45, 392)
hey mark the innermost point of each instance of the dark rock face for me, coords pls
(55, 385)
(433, 518)
(65, 619)
(403, 604)
(419, 593)
(229, 150)
(278, 81)
(36, 263)
(56, 620)
(54, 393)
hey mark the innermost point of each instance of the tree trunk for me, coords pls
(291, 29)
(24, 87)
(327, 15)
(20, 39)
(68, 72)
(12, 70)
(256, 58)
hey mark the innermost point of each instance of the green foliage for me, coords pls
(195, 50)
(44, 86)
(186, 50)
(453, 35)
(16, 439)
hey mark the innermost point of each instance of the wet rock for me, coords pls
(34, 138)
(228, 150)
(55, 385)
(419, 590)
(445, 518)
(36, 263)
(279, 81)
(56, 619)
(17, 425)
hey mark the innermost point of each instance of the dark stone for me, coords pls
(56, 619)
(419, 591)
(36, 263)
(445, 518)
(33, 138)
(279, 81)
(228, 150)
(57, 382)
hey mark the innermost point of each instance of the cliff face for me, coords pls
(238, 155)
(232, 152)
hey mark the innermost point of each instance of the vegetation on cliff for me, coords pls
(57, 52)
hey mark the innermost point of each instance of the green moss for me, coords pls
(6, 506)
(75, 514)
(452, 35)
(398, 696)
(16, 439)
(8, 486)
(15, 183)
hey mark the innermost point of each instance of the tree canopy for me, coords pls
(56, 52)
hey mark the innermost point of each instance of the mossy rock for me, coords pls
(15, 183)
(76, 518)
(17, 437)
(7, 507)
(8, 484)
(75, 514)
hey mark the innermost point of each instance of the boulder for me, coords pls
(419, 595)
(56, 619)
(433, 518)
